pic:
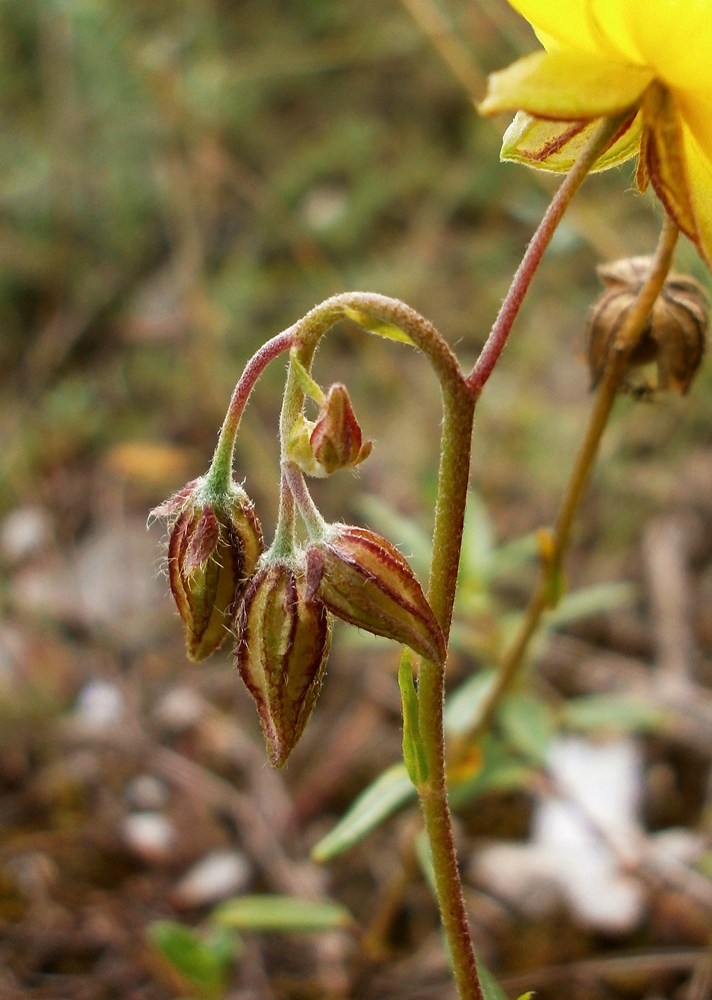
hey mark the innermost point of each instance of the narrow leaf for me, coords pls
(307, 384)
(413, 751)
(386, 330)
(528, 724)
(189, 954)
(610, 711)
(491, 990)
(282, 913)
(391, 790)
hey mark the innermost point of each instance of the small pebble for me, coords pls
(180, 710)
(100, 704)
(24, 532)
(150, 835)
(147, 792)
(216, 876)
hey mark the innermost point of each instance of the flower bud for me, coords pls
(674, 337)
(283, 640)
(213, 550)
(336, 440)
(365, 580)
(333, 441)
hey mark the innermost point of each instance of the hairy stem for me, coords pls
(625, 342)
(499, 333)
(220, 472)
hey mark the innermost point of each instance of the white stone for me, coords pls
(216, 876)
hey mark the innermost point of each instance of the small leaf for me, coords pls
(191, 956)
(403, 532)
(413, 751)
(491, 990)
(424, 855)
(307, 384)
(282, 913)
(463, 707)
(611, 711)
(591, 601)
(391, 790)
(528, 724)
(386, 330)
(477, 543)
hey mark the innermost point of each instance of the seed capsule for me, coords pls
(283, 640)
(364, 580)
(213, 549)
(674, 337)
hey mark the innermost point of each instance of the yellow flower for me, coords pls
(602, 58)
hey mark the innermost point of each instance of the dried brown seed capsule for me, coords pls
(283, 640)
(674, 337)
(365, 580)
(213, 549)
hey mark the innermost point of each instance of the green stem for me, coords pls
(458, 406)
(625, 342)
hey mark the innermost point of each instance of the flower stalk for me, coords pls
(550, 570)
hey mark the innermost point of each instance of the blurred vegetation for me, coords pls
(181, 179)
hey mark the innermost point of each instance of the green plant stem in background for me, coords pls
(625, 342)
(597, 144)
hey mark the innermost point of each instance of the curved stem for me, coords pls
(494, 346)
(624, 344)
(380, 314)
(220, 472)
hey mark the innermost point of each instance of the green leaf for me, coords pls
(424, 855)
(401, 530)
(386, 330)
(201, 964)
(463, 706)
(391, 790)
(282, 913)
(591, 601)
(528, 725)
(413, 751)
(477, 543)
(491, 990)
(307, 384)
(611, 711)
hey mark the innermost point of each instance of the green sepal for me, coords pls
(413, 751)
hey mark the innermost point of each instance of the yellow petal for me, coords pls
(565, 86)
(699, 174)
(556, 146)
(673, 37)
(695, 108)
(561, 23)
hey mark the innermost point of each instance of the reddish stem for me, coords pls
(598, 142)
